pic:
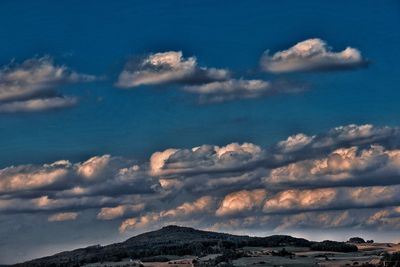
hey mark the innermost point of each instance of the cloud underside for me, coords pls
(346, 177)
(32, 85)
(312, 55)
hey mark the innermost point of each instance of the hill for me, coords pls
(170, 240)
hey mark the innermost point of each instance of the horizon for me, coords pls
(77, 246)
(255, 117)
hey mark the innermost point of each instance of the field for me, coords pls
(264, 256)
(368, 253)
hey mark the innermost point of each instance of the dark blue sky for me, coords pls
(97, 37)
(335, 179)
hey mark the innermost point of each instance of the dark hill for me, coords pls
(170, 240)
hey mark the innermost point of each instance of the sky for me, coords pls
(251, 117)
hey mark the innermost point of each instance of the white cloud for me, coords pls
(349, 167)
(240, 201)
(220, 91)
(30, 86)
(22, 178)
(232, 89)
(295, 200)
(300, 199)
(93, 166)
(205, 158)
(311, 55)
(38, 104)
(295, 142)
(343, 164)
(167, 67)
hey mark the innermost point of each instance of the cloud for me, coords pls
(65, 216)
(118, 211)
(241, 201)
(301, 199)
(312, 55)
(351, 166)
(348, 168)
(343, 198)
(38, 104)
(30, 86)
(167, 67)
(93, 166)
(319, 220)
(27, 177)
(210, 84)
(205, 158)
(295, 142)
(141, 222)
(200, 205)
(221, 91)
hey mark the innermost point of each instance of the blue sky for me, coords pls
(100, 38)
(97, 38)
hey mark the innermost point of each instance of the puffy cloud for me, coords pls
(349, 167)
(320, 145)
(93, 166)
(300, 199)
(30, 86)
(295, 142)
(64, 216)
(240, 201)
(205, 158)
(294, 200)
(27, 177)
(312, 55)
(167, 67)
(201, 205)
(158, 160)
(344, 165)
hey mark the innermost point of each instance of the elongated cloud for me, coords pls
(312, 55)
(31, 85)
(118, 211)
(167, 67)
(358, 166)
(65, 216)
(30, 177)
(38, 104)
(333, 198)
(221, 91)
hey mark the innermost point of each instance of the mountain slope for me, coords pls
(170, 240)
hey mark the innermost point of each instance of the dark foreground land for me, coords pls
(176, 246)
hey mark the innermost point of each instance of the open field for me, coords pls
(263, 256)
